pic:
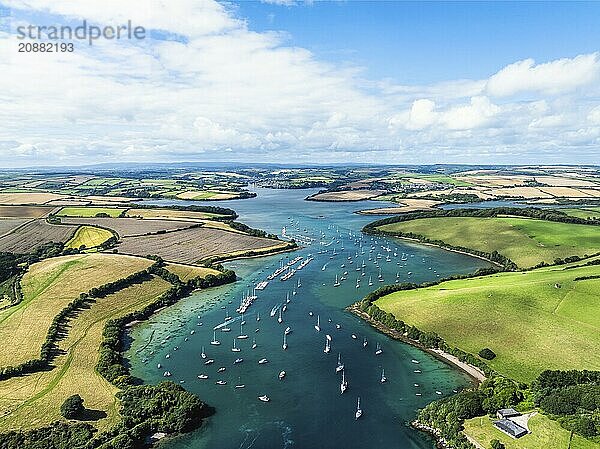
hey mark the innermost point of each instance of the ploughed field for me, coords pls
(34, 400)
(195, 244)
(534, 320)
(526, 241)
(127, 227)
(37, 232)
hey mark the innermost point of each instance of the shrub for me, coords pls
(72, 407)
(487, 353)
(496, 444)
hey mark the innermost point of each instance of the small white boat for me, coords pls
(438, 392)
(209, 361)
(168, 356)
(284, 346)
(203, 354)
(159, 366)
(338, 326)
(235, 348)
(263, 361)
(337, 282)
(318, 325)
(414, 361)
(274, 311)
(264, 398)
(383, 378)
(327, 346)
(280, 319)
(378, 350)
(365, 343)
(359, 412)
(222, 369)
(202, 376)
(253, 343)
(221, 382)
(240, 386)
(257, 316)
(214, 341)
(344, 384)
(288, 330)
(354, 337)
(418, 371)
(239, 360)
(167, 374)
(340, 365)
(281, 375)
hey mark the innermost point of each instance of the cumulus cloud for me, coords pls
(554, 77)
(216, 89)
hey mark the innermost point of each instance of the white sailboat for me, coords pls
(365, 343)
(235, 348)
(242, 336)
(340, 365)
(257, 316)
(280, 319)
(344, 384)
(378, 350)
(281, 375)
(254, 343)
(288, 330)
(383, 378)
(203, 354)
(318, 325)
(214, 341)
(370, 281)
(284, 346)
(337, 281)
(359, 412)
(327, 346)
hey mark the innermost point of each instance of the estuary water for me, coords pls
(306, 409)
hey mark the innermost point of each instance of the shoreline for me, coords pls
(476, 375)
(466, 253)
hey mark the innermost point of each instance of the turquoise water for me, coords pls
(306, 409)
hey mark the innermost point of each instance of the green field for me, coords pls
(86, 212)
(89, 236)
(535, 320)
(545, 434)
(526, 241)
(584, 212)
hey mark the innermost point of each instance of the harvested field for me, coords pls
(170, 214)
(29, 198)
(564, 192)
(522, 192)
(34, 400)
(129, 227)
(48, 286)
(591, 192)
(192, 245)
(187, 272)
(559, 181)
(9, 224)
(33, 234)
(206, 195)
(24, 211)
(346, 195)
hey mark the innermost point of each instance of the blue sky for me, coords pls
(369, 82)
(424, 42)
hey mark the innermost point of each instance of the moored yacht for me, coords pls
(214, 341)
(318, 325)
(359, 412)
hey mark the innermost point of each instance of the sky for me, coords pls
(304, 82)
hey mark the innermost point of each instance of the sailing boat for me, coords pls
(327, 346)
(235, 348)
(318, 325)
(344, 384)
(365, 342)
(274, 310)
(358, 413)
(378, 350)
(340, 365)
(299, 284)
(257, 316)
(242, 336)
(357, 283)
(337, 282)
(254, 343)
(280, 319)
(370, 281)
(287, 298)
(284, 346)
(288, 330)
(383, 378)
(214, 341)
(203, 354)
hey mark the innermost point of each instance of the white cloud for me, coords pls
(225, 91)
(554, 77)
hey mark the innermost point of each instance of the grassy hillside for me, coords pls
(48, 286)
(522, 316)
(545, 434)
(35, 400)
(89, 236)
(525, 241)
(584, 212)
(187, 272)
